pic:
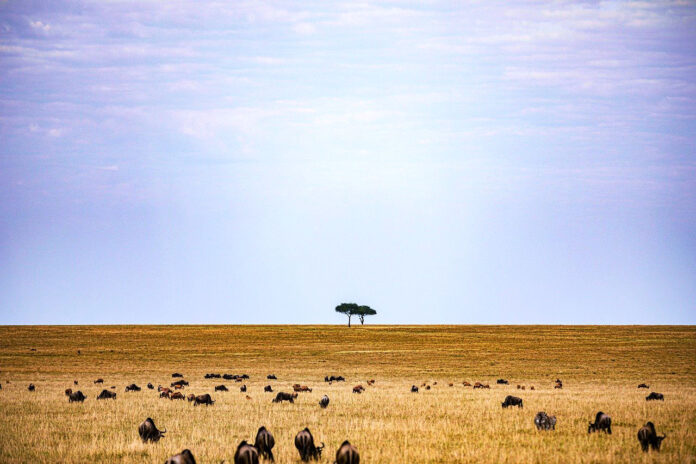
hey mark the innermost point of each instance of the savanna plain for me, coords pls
(600, 367)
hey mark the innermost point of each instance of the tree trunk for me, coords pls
(349, 320)
(362, 320)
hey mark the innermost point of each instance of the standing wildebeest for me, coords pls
(602, 422)
(268, 388)
(203, 399)
(347, 454)
(75, 382)
(271, 377)
(304, 442)
(501, 382)
(106, 394)
(149, 432)
(333, 378)
(246, 454)
(481, 385)
(282, 396)
(243, 388)
(301, 388)
(466, 384)
(185, 457)
(655, 396)
(176, 374)
(150, 386)
(68, 391)
(133, 387)
(221, 388)
(414, 389)
(642, 385)
(544, 421)
(264, 443)
(324, 402)
(559, 384)
(179, 383)
(76, 397)
(358, 389)
(31, 387)
(648, 437)
(191, 397)
(512, 401)
(176, 396)
(99, 381)
(212, 376)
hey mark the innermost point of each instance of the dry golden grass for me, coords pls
(600, 368)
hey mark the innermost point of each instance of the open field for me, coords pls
(600, 368)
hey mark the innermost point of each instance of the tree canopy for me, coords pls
(353, 309)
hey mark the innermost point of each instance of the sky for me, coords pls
(476, 162)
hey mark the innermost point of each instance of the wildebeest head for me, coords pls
(149, 432)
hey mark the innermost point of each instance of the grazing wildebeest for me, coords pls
(512, 401)
(68, 391)
(177, 396)
(271, 377)
(466, 384)
(176, 374)
(324, 402)
(243, 388)
(481, 385)
(149, 432)
(31, 387)
(179, 383)
(347, 454)
(655, 396)
(264, 443)
(642, 385)
(133, 387)
(74, 382)
(221, 388)
(372, 382)
(304, 442)
(282, 396)
(106, 394)
(648, 437)
(190, 397)
(150, 386)
(414, 389)
(602, 422)
(203, 399)
(246, 454)
(501, 382)
(544, 422)
(165, 394)
(451, 384)
(301, 388)
(212, 376)
(268, 388)
(99, 381)
(228, 376)
(185, 457)
(76, 397)
(358, 389)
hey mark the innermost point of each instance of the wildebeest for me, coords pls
(203, 399)
(334, 379)
(466, 384)
(512, 401)
(655, 396)
(149, 432)
(243, 388)
(212, 376)
(190, 397)
(74, 382)
(176, 396)
(31, 387)
(347, 454)
(282, 396)
(642, 385)
(481, 385)
(221, 388)
(76, 397)
(451, 384)
(185, 457)
(324, 402)
(559, 384)
(179, 383)
(358, 389)
(264, 443)
(301, 388)
(532, 387)
(648, 437)
(246, 454)
(268, 388)
(501, 382)
(414, 389)
(228, 376)
(371, 382)
(106, 394)
(133, 387)
(150, 386)
(68, 391)
(602, 422)
(271, 377)
(176, 374)
(304, 442)
(544, 422)
(99, 381)
(427, 387)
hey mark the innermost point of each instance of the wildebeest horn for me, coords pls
(322, 445)
(163, 431)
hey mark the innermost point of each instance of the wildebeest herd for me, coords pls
(304, 442)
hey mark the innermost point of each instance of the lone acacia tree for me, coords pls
(352, 309)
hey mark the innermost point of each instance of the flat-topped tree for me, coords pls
(363, 311)
(349, 309)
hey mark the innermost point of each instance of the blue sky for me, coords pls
(253, 162)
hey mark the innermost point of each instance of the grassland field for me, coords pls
(600, 367)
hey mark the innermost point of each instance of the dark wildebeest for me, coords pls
(76, 397)
(176, 374)
(501, 382)
(99, 381)
(371, 382)
(221, 388)
(185, 457)
(133, 387)
(149, 432)
(228, 376)
(334, 379)
(512, 401)
(347, 454)
(466, 384)
(427, 387)
(242, 388)
(75, 382)
(31, 387)
(602, 422)
(106, 394)
(648, 437)
(264, 443)
(179, 383)
(301, 388)
(150, 386)
(191, 397)
(246, 454)
(544, 422)
(481, 385)
(324, 402)
(304, 442)
(282, 396)
(212, 376)
(271, 377)
(176, 396)
(268, 388)
(655, 396)
(414, 389)
(203, 399)
(68, 391)
(642, 385)
(358, 389)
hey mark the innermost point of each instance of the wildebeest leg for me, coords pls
(609, 430)
(270, 456)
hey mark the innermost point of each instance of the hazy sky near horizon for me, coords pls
(261, 162)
